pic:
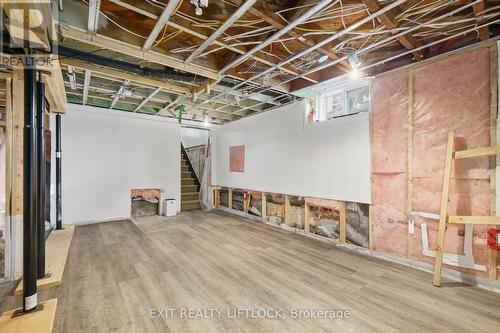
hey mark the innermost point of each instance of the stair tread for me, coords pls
(189, 201)
(190, 193)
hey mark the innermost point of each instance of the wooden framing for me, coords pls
(246, 202)
(264, 206)
(112, 44)
(307, 216)
(444, 219)
(121, 75)
(409, 194)
(287, 210)
(444, 209)
(216, 196)
(230, 198)
(486, 151)
(342, 222)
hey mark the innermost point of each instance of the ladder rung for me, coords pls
(485, 151)
(474, 219)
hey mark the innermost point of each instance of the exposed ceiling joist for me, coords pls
(389, 20)
(157, 90)
(161, 23)
(318, 7)
(93, 20)
(197, 34)
(126, 76)
(483, 32)
(112, 44)
(86, 85)
(279, 25)
(227, 24)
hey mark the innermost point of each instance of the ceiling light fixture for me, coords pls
(199, 4)
(354, 59)
(206, 119)
(323, 58)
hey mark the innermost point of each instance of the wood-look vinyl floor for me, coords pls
(119, 273)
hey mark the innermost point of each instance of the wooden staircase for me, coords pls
(189, 185)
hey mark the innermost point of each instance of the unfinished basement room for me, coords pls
(249, 166)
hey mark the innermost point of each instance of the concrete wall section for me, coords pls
(108, 153)
(330, 160)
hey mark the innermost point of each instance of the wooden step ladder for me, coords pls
(444, 219)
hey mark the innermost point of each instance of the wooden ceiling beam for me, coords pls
(389, 20)
(199, 35)
(479, 8)
(112, 44)
(142, 80)
(161, 22)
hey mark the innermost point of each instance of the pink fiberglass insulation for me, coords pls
(457, 99)
(389, 108)
(448, 95)
(326, 203)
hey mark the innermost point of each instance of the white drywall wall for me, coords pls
(107, 153)
(330, 160)
(194, 137)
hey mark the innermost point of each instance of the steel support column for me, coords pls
(58, 173)
(30, 301)
(40, 99)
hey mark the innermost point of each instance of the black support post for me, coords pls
(40, 98)
(58, 173)
(30, 301)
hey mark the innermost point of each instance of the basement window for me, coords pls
(332, 103)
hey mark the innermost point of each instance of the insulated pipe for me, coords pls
(30, 301)
(58, 174)
(40, 99)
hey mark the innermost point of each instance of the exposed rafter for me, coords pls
(227, 24)
(484, 32)
(161, 23)
(197, 34)
(389, 20)
(279, 25)
(318, 7)
(93, 20)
